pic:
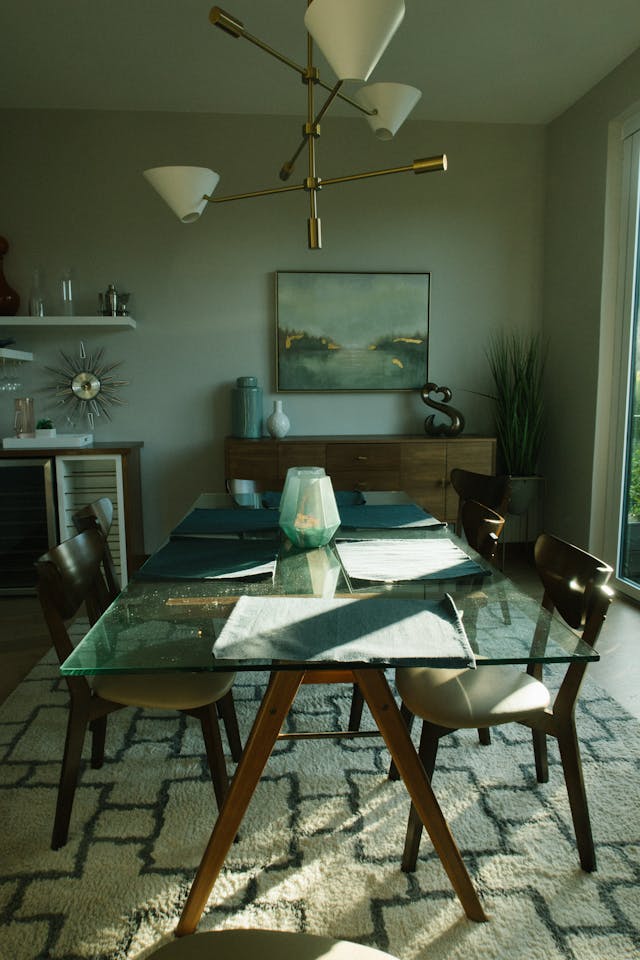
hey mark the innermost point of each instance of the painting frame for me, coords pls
(352, 332)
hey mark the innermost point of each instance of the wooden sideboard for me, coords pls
(418, 465)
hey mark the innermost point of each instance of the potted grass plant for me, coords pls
(517, 365)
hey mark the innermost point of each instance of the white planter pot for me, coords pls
(523, 492)
(44, 432)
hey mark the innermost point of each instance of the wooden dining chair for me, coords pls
(266, 944)
(69, 578)
(492, 491)
(482, 527)
(575, 588)
(99, 514)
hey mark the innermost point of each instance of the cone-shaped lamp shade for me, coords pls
(353, 34)
(393, 102)
(183, 188)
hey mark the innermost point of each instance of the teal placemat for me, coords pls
(202, 522)
(344, 498)
(392, 516)
(199, 558)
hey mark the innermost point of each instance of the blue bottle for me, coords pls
(246, 408)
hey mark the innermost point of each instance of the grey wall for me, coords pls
(72, 195)
(576, 313)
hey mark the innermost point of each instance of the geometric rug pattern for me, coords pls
(319, 850)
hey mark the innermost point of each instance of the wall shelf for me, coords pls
(6, 353)
(94, 321)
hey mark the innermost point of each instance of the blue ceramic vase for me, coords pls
(246, 408)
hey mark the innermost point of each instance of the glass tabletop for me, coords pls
(156, 626)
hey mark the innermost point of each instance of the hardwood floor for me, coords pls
(24, 640)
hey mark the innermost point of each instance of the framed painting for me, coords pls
(347, 332)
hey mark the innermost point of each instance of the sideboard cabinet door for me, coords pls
(252, 460)
(424, 474)
(475, 454)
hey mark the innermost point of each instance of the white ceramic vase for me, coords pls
(278, 423)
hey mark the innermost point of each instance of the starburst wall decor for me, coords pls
(86, 384)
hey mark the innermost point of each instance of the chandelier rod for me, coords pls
(310, 129)
(235, 28)
(423, 165)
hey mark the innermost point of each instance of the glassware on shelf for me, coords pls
(9, 377)
(67, 295)
(36, 296)
(24, 420)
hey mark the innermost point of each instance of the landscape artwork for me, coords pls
(352, 331)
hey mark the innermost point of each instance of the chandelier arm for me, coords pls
(425, 165)
(235, 28)
(343, 96)
(301, 70)
(256, 193)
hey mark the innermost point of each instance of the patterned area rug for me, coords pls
(320, 848)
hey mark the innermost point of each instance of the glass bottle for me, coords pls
(36, 297)
(67, 294)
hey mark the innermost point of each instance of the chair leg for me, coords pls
(408, 718)
(357, 703)
(484, 736)
(76, 728)
(215, 755)
(227, 713)
(427, 752)
(540, 755)
(572, 766)
(98, 729)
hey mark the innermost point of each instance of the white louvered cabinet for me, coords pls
(87, 475)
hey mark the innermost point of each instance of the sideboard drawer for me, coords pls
(365, 479)
(364, 466)
(362, 457)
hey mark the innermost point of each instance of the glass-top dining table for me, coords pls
(228, 592)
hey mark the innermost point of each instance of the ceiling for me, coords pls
(507, 61)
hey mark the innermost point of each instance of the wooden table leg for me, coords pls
(376, 692)
(271, 715)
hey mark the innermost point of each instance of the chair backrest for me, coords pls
(99, 515)
(246, 493)
(70, 576)
(482, 528)
(491, 490)
(574, 583)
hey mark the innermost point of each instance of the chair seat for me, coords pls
(266, 944)
(175, 691)
(463, 698)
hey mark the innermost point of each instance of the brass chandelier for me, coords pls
(352, 35)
